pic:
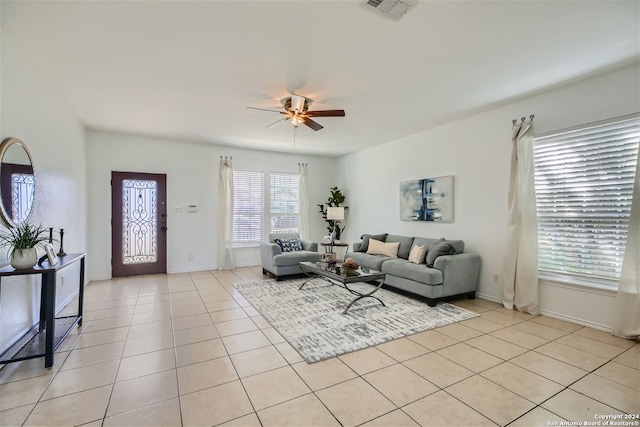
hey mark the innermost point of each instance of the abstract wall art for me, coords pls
(429, 199)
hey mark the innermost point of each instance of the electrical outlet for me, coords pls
(190, 256)
(496, 278)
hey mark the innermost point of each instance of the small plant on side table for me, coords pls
(23, 242)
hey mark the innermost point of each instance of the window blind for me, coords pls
(248, 210)
(584, 184)
(284, 207)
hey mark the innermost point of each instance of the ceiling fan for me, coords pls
(297, 110)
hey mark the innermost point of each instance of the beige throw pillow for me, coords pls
(376, 247)
(417, 254)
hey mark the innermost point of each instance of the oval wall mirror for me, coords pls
(17, 181)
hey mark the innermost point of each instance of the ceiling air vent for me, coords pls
(393, 9)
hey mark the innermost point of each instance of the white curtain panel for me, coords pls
(520, 285)
(226, 256)
(304, 200)
(626, 318)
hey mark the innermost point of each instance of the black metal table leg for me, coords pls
(50, 308)
(43, 303)
(81, 292)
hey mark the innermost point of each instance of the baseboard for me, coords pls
(575, 320)
(179, 271)
(66, 302)
(249, 265)
(488, 298)
(95, 279)
(559, 316)
(192, 270)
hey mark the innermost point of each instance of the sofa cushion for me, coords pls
(418, 254)
(423, 241)
(377, 247)
(405, 244)
(289, 245)
(458, 245)
(294, 258)
(439, 249)
(416, 272)
(365, 240)
(373, 262)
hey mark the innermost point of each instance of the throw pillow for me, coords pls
(439, 249)
(365, 240)
(296, 244)
(289, 245)
(417, 254)
(376, 247)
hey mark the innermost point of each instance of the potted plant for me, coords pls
(334, 200)
(23, 242)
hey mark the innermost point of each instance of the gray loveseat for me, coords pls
(451, 275)
(280, 263)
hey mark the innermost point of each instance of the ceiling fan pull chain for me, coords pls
(295, 132)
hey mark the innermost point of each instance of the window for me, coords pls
(248, 207)
(284, 196)
(282, 209)
(584, 184)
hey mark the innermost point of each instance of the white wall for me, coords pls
(192, 178)
(55, 137)
(477, 152)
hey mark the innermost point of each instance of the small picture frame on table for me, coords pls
(328, 257)
(51, 254)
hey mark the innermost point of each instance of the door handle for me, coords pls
(163, 228)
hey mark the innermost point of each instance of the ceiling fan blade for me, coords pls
(297, 103)
(275, 123)
(313, 125)
(325, 113)
(266, 109)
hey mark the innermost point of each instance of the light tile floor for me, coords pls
(187, 349)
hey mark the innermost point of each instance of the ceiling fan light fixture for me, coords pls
(298, 104)
(296, 108)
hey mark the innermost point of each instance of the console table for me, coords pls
(45, 337)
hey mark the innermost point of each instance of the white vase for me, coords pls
(25, 258)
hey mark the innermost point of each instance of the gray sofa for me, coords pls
(279, 263)
(451, 275)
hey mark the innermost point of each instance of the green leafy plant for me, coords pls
(334, 200)
(23, 236)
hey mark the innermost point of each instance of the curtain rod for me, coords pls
(523, 119)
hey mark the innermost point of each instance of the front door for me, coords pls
(139, 223)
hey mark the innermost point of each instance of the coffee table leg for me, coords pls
(361, 296)
(314, 276)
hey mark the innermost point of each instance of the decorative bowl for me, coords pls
(350, 264)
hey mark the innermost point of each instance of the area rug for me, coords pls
(311, 319)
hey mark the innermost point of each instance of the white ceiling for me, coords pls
(189, 69)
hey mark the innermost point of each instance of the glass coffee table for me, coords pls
(343, 278)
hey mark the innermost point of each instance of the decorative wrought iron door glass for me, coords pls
(22, 190)
(139, 240)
